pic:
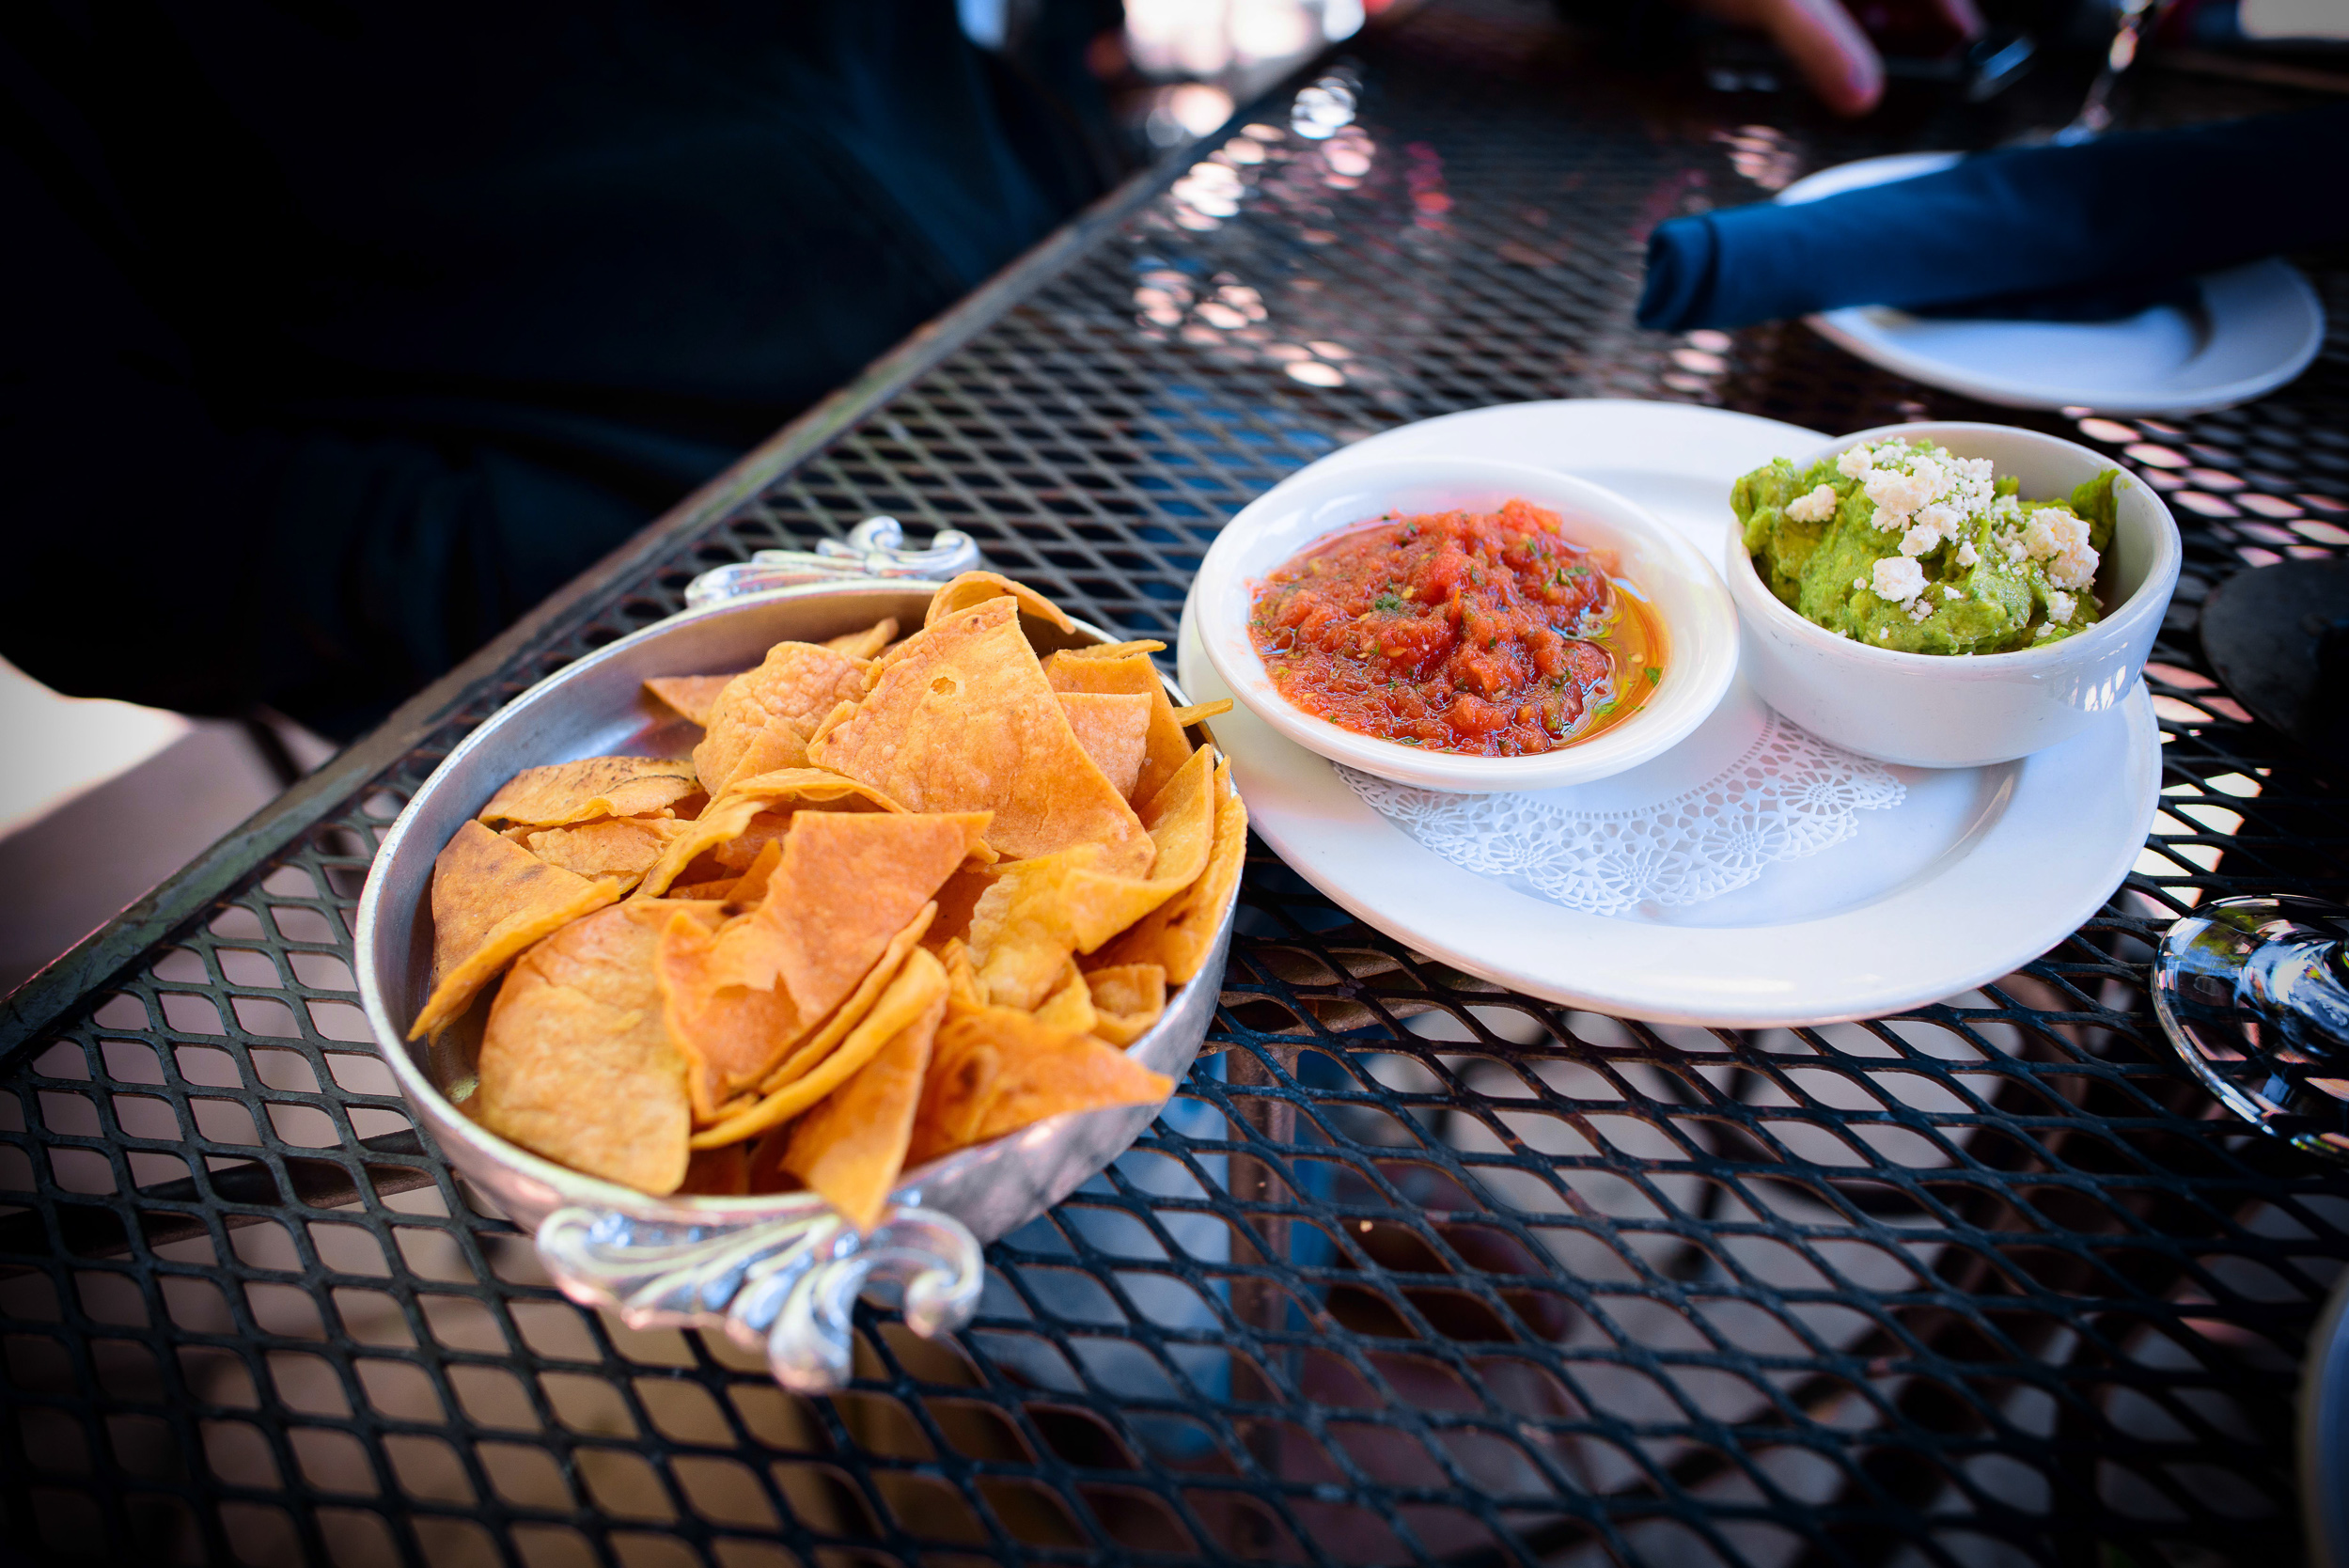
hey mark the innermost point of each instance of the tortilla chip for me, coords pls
(491, 900)
(845, 890)
(997, 1070)
(1041, 911)
(852, 1013)
(1108, 671)
(964, 720)
(718, 890)
(729, 817)
(1069, 1007)
(1024, 927)
(717, 1172)
(720, 822)
(963, 1071)
(851, 1145)
(592, 786)
(766, 1162)
(623, 847)
(764, 831)
(795, 685)
(1079, 1075)
(1199, 713)
(805, 789)
(1113, 729)
(1178, 932)
(768, 827)
(919, 985)
(747, 747)
(866, 643)
(963, 994)
(731, 1035)
(1126, 987)
(848, 883)
(691, 696)
(957, 897)
(976, 588)
(1128, 998)
(750, 888)
(577, 1063)
(1181, 820)
(796, 681)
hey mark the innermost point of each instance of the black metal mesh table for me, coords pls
(1422, 1270)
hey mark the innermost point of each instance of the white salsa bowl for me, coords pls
(1680, 586)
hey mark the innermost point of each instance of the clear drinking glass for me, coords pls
(2254, 994)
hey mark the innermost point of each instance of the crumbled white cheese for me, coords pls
(1899, 578)
(1883, 632)
(2060, 607)
(1935, 523)
(2058, 537)
(1911, 487)
(1972, 487)
(1929, 499)
(2047, 628)
(1946, 520)
(1898, 495)
(1817, 506)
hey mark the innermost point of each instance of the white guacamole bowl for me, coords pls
(1934, 711)
(1679, 585)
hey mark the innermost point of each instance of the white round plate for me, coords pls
(1977, 872)
(2260, 325)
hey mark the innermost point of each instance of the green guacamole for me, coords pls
(1902, 545)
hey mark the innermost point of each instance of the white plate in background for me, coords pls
(2260, 325)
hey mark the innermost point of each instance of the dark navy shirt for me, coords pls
(339, 332)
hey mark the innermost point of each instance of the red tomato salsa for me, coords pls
(1490, 634)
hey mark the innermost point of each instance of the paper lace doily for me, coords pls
(1788, 794)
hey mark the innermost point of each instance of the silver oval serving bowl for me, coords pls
(780, 1272)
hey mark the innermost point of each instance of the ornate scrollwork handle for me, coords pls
(875, 548)
(787, 1282)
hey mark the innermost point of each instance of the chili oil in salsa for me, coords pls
(1486, 634)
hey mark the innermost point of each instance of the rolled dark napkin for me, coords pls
(2083, 232)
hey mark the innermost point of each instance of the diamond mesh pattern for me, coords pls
(1419, 1270)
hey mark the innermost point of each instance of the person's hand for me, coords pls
(1827, 44)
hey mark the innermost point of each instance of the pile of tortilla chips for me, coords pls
(905, 897)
